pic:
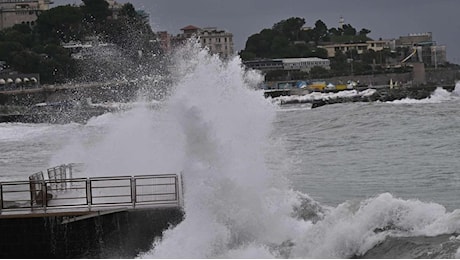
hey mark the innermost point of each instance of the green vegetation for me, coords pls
(32, 49)
(290, 39)
(285, 39)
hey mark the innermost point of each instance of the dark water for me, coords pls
(354, 151)
(401, 157)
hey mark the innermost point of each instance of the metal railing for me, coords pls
(60, 193)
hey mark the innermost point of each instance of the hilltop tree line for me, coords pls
(37, 48)
(291, 39)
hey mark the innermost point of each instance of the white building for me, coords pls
(305, 64)
(21, 11)
(300, 64)
(438, 55)
(217, 41)
(360, 48)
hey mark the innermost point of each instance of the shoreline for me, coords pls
(73, 103)
(362, 94)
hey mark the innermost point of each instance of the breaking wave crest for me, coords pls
(438, 96)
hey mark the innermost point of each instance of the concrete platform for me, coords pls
(98, 217)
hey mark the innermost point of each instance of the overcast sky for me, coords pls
(385, 18)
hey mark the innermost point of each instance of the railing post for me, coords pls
(180, 176)
(44, 195)
(32, 193)
(176, 188)
(133, 191)
(62, 176)
(1, 196)
(89, 197)
(70, 171)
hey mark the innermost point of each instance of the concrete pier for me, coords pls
(122, 234)
(99, 217)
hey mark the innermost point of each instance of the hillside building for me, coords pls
(414, 39)
(217, 41)
(165, 41)
(21, 11)
(428, 51)
(288, 64)
(265, 64)
(378, 45)
(115, 7)
(305, 64)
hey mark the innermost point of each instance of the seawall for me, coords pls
(65, 103)
(100, 92)
(118, 235)
(432, 76)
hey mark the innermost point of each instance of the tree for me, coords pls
(96, 11)
(131, 25)
(278, 46)
(8, 49)
(335, 31)
(60, 24)
(25, 61)
(290, 28)
(339, 64)
(349, 30)
(128, 10)
(364, 32)
(319, 72)
(247, 55)
(15, 35)
(320, 31)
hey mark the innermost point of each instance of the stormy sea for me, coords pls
(261, 180)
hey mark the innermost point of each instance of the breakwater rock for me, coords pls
(364, 94)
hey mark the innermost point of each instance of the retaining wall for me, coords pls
(117, 235)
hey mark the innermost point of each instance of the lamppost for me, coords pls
(434, 51)
(350, 60)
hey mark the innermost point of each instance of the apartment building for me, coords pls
(414, 39)
(216, 40)
(21, 11)
(165, 41)
(344, 47)
(377, 45)
(428, 51)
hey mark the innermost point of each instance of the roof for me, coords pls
(190, 27)
(295, 60)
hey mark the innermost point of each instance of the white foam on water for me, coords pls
(324, 96)
(438, 96)
(232, 200)
(23, 131)
(456, 89)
